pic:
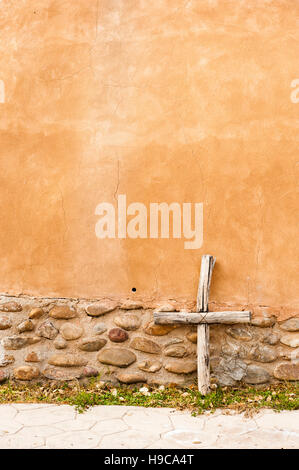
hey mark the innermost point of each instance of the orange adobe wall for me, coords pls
(161, 101)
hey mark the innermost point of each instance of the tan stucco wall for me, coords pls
(185, 101)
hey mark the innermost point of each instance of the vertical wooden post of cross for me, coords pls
(203, 333)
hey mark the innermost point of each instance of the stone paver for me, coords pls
(41, 416)
(148, 419)
(109, 426)
(38, 426)
(73, 440)
(130, 439)
(9, 426)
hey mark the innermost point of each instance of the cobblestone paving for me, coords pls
(38, 426)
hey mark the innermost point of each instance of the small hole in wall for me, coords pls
(133, 289)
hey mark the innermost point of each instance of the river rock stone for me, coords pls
(32, 357)
(292, 324)
(5, 322)
(263, 321)
(230, 349)
(47, 330)
(181, 367)
(99, 328)
(6, 360)
(166, 307)
(173, 340)
(131, 377)
(294, 355)
(131, 305)
(239, 333)
(89, 371)
(67, 360)
(192, 337)
(4, 375)
(14, 342)
(145, 345)
(62, 312)
(11, 307)
(54, 373)
(256, 375)
(289, 355)
(175, 350)
(69, 331)
(150, 366)
(291, 340)
(117, 335)
(119, 357)
(60, 343)
(100, 308)
(272, 339)
(33, 339)
(262, 354)
(177, 381)
(26, 325)
(230, 371)
(287, 371)
(26, 372)
(92, 344)
(128, 321)
(285, 353)
(35, 313)
(157, 330)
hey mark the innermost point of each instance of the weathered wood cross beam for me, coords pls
(202, 318)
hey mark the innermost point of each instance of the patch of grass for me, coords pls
(284, 396)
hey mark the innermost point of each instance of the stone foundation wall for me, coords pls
(65, 339)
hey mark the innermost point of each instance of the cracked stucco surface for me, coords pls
(163, 101)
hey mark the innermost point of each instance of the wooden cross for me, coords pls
(202, 318)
